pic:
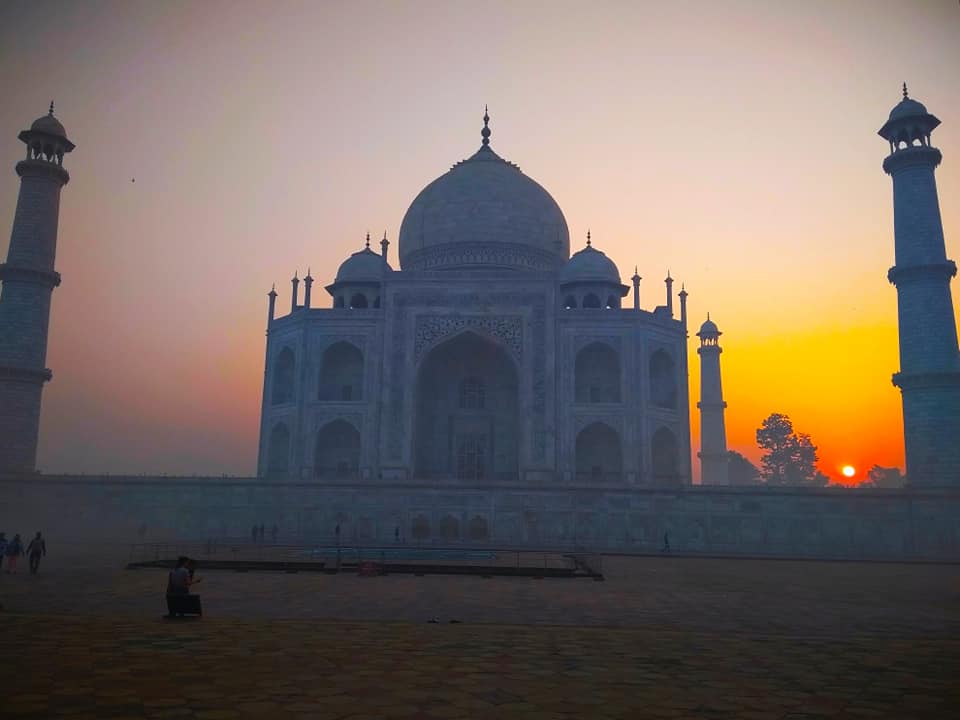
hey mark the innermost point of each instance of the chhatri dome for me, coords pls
(484, 212)
(590, 265)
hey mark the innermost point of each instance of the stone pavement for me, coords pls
(662, 638)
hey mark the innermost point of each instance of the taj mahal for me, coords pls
(489, 386)
(492, 355)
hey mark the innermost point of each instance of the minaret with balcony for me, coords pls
(28, 281)
(929, 377)
(714, 459)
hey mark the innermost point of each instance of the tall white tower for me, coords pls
(929, 377)
(28, 282)
(714, 460)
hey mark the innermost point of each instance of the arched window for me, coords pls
(337, 454)
(613, 302)
(570, 302)
(591, 301)
(597, 374)
(599, 457)
(358, 301)
(420, 529)
(283, 375)
(473, 394)
(663, 380)
(341, 373)
(278, 451)
(665, 457)
(376, 301)
(471, 456)
(449, 528)
(477, 528)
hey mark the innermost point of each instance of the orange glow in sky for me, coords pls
(733, 143)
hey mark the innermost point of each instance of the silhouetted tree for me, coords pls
(741, 471)
(881, 477)
(790, 458)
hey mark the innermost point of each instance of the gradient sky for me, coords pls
(731, 142)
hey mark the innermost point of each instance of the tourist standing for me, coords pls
(261, 532)
(3, 547)
(253, 533)
(36, 550)
(14, 550)
(273, 533)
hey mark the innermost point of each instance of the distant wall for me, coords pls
(794, 522)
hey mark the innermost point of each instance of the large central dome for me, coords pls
(484, 212)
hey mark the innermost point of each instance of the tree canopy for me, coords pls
(742, 471)
(881, 477)
(790, 457)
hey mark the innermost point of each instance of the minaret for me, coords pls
(636, 288)
(713, 432)
(294, 297)
(28, 281)
(683, 294)
(929, 377)
(384, 246)
(307, 285)
(669, 283)
(271, 305)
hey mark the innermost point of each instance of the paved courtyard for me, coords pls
(661, 638)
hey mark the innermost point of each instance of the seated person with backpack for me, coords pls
(179, 599)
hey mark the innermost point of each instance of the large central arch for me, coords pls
(467, 412)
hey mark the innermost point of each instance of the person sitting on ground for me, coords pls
(178, 583)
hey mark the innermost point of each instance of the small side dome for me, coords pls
(907, 108)
(363, 266)
(709, 329)
(49, 125)
(589, 265)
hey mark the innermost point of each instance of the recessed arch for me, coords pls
(597, 374)
(341, 373)
(591, 301)
(449, 528)
(358, 301)
(337, 452)
(665, 456)
(663, 380)
(283, 377)
(467, 411)
(477, 528)
(599, 457)
(278, 451)
(570, 302)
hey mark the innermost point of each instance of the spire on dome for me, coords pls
(588, 239)
(368, 240)
(905, 91)
(485, 133)
(51, 108)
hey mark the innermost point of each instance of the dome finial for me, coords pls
(904, 91)
(51, 108)
(588, 239)
(368, 240)
(485, 133)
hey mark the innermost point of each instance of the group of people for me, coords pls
(257, 532)
(11, 550)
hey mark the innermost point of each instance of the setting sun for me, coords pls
(848, 471)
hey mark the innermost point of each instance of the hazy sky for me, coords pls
(731, 142)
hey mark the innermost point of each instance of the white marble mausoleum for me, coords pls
(489, 356)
